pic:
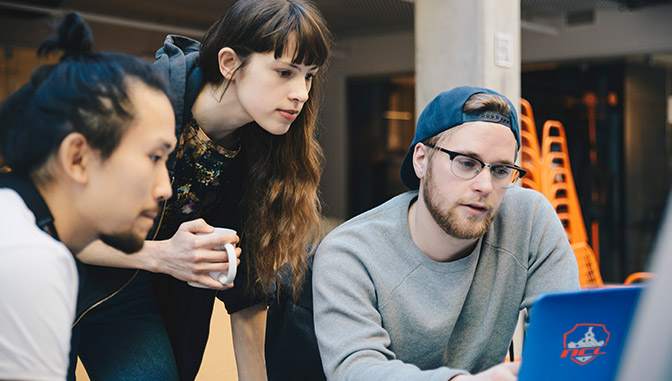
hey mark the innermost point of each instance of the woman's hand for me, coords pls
(190, 257)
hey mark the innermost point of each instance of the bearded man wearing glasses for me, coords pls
(429, 285)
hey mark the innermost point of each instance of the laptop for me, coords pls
(578, 335)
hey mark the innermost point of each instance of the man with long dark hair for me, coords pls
(86, 140)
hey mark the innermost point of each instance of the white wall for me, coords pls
(455, 43)
(356, 57)
(614, 33)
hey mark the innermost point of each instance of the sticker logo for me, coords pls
(585, 342)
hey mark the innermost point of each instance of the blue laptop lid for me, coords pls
(577, 335)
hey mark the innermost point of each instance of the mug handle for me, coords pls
(227, 278)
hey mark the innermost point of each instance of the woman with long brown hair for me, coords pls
(245, 105)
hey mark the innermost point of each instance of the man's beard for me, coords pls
(449, 220)
(127, 241)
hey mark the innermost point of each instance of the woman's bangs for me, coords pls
(306, 37)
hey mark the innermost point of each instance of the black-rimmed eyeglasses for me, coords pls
(467, 167)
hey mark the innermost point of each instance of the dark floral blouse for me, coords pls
(203, 173)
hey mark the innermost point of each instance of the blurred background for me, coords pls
(600, 67)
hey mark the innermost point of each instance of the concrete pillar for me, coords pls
(467, 42)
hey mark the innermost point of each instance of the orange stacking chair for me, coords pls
(637, 277)
(557, 184)
(530, 152)
(557, 181)
(562, 196)
(526, 108)
(589, 270)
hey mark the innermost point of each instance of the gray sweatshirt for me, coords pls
(385, 311)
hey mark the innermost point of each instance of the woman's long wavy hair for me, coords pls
(282, 172)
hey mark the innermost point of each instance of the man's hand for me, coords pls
(190, 257)
(501, 372)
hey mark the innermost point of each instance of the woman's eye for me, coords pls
(284, 73)
(155, 158)
(310, 76)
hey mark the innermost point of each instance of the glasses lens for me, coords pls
(503, 176)
(466, 167)
(500, 172)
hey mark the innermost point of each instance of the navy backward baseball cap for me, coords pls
(445, 112)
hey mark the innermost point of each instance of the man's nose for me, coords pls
(482, 183)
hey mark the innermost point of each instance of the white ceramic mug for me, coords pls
(222, 277)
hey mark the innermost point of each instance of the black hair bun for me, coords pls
(73, 37)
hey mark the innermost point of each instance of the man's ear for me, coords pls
(420, 160)
(74, 156)
(228, 63)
